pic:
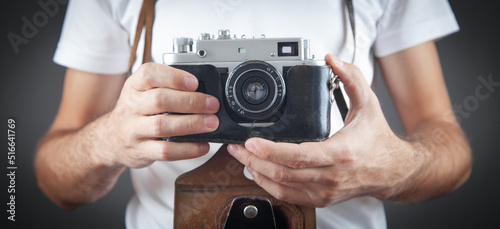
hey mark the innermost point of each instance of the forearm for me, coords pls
(79, 161)
(365, 157)
(444, 162)
(72, 167)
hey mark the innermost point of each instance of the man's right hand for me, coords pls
(137, 123)
(89, 144)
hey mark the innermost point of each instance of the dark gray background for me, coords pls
(31, 88)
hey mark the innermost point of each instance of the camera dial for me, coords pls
(255, 90)
(183, 44)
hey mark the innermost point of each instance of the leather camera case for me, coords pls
(205, 198)
(303, 117)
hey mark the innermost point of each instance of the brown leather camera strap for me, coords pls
(146, 19)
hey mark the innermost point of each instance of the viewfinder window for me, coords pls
(288, 48)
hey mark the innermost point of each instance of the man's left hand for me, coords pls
(364, 158)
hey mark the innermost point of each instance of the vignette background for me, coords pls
(31, 88)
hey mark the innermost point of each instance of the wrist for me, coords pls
(409, 158)
(102, 142)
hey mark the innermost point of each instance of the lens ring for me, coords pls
(239, 93)
(248, 72)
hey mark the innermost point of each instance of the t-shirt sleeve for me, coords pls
(92, 39)
(406, 23)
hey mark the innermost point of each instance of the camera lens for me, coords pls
(255, 90)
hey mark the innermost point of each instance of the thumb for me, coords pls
(355, 84)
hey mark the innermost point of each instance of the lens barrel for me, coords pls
(255, 90)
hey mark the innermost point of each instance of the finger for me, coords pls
(151, 75)
(276, 172)
(282, 192)
(168, 125)
(159, 150)
(355, 84)
(305, 194)
(297, 156)
(300, 186)
(162, 100)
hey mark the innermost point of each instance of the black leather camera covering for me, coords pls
(305, 118)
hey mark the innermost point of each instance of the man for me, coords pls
(107, 123)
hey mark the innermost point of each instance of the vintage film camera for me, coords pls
(267, 87)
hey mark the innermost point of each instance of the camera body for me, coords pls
(267, 87)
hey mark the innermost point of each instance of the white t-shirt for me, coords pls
(97, 36)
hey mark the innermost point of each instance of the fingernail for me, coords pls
(337, 61)
(233, 150)
(247, 173)
(191, 82)
(251, 171)
(251, 147)
(212, 104)
(211, 121)
(204, 147)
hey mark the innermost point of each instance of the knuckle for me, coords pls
(248, 161)
(322, 203)
(334, 180)
(127, 134)
(156, 99)
(157, 126)
(264, 153)
(131, 139)
(192, 101)
(145, 72)
(197, 150)
(164, 152)
(301, 161)
(192, 123)
(147, 68)
(122, 109)
(324, 198)
(280, 175)
(280, 194)
(258, 180)
(347, 157)
(174, 78)
(356, 70)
